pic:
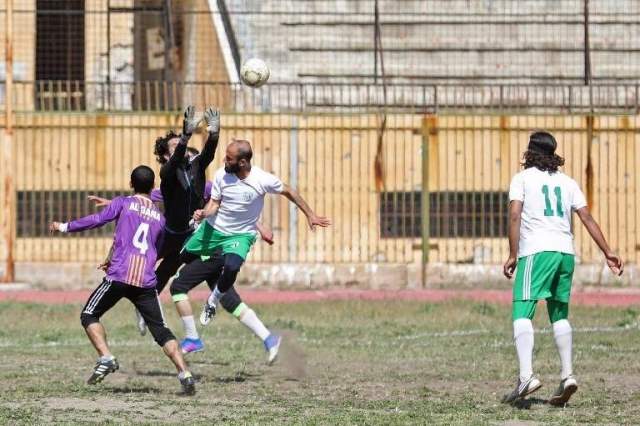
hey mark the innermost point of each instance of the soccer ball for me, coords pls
(254, 72)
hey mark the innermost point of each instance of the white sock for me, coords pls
(215, 297)
(107, 357)
(249, 318)
(189, 325)
(523, 338)
(562, 335)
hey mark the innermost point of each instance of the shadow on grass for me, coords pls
(239, 377)
(526, 404)
(218, 363)
(155, 373)
(134, 389)
(158, 373)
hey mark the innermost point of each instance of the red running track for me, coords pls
(613, 297)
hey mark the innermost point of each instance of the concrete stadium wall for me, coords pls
(296, 276)
(452, 41)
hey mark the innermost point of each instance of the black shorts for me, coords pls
(197, 270)
(170, 255)
(172, 243)
(145, 300)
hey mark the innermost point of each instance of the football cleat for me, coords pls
(272, 345)
(208, 312)
(567, 387)
(522, 389)
(101, 370)
(188, 384)
(191, 345)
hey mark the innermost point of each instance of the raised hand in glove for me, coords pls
(212, 117)
(190, 122)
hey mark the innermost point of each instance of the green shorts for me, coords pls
(206, 240)
(544, 275)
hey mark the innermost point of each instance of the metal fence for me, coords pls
(437, 186)
(51, 96)
(461, 83)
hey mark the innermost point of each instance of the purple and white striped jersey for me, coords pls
(137, 238)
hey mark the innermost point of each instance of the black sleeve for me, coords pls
(209, 150)
(168, 170)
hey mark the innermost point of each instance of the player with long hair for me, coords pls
(542, 200)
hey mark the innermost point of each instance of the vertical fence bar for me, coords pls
(293, 179)
(424, 202)
(108, 106)
(138, 96)
(589, 169)
(9, 273)
(165, 93)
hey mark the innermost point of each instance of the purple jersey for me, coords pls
(156, 196)
(136, 241)
(207, 190)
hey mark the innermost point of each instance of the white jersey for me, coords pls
(548, 202)
(242, 199)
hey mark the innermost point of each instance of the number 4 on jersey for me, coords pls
(548, 211)
(140, 238)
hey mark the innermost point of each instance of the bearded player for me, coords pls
(184, 189)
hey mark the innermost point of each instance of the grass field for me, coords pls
(345, 362)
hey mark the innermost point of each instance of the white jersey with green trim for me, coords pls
(242, 200)
(548, 202)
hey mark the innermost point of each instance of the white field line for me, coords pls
(450, 333)
(456, 333)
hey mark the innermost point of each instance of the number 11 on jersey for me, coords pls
(548, 210)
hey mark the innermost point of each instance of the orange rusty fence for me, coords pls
(59, 159)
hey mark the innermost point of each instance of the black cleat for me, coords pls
(522, 389)
(101, 369)
(567, 387)
(188, 384)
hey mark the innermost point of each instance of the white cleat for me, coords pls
(522, 390)
(567, 387)
(207, 314)
(142, 326)
(272, 345)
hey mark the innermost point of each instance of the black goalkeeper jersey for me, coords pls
(182, 184)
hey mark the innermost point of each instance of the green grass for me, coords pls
(345, 363)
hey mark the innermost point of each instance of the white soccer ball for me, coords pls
(254, 72)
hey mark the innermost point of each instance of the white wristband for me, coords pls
(63, 227)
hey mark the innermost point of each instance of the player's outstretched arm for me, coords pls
(156, 197)
(106, 215)
(99, 201)
(209, 209)
(212, 118)
(266, 233)
(189, 125)
(313, 219)
(515, 212)
(613, 260)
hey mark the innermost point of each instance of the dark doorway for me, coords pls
(60, 55)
